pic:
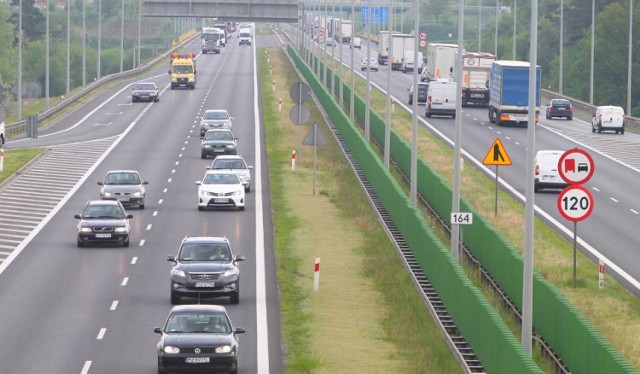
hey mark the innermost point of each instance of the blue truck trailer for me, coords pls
(509, 92)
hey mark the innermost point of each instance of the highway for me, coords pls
(92, 310)
(610, 230)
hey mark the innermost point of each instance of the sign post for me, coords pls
(497, 156)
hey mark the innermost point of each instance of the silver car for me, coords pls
(215, 119)
(237, 164)
(125, 186)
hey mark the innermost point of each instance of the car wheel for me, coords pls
(175, 299)
(535, 187)
(548, 116)
(203, 155)
(157, 99)
(622, 131)
(410, 101)
(235, 298)
(593, 129)
(126, 243)
(248, 188)
(142, 206)
(599, 129)
(241, 207)
(570, 118)
(200, 208)
(428, 114)
(80, 243)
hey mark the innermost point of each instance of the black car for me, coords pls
(218, 142)
(145, 91)
(205, 267)
(422, 93)
(560, 108)
(198, 338)
(103, 221)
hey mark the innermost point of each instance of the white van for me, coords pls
(608, 118)
(546, 174)
(356, 42)
(441, 98)
(408, 64)
(244, 37)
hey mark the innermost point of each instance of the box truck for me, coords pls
(441, 59)
(509, 92)
(342, 30)
(402, 43)
(383, 46)
(476, 69)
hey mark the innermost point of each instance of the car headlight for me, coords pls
(223, 349)
(171, 349)
(178, 273)
(206, 145)
(231, 146)
(121, 229)
(107, 194)
(85, 229)
(230, 272)
(137, 194)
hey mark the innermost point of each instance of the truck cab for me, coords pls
(182, 70)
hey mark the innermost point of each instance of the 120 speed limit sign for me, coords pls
(575, 203)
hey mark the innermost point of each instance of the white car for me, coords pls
(220, 188)
(236, 164)
(372, 65)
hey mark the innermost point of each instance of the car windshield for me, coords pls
(103, 211)
(122, 178)
(228, 164)
(245, 35)
(231, 178)
(218, 135)
(215, 115)
(146, 86)
(194, 322)
(211, 36)
(204, 252)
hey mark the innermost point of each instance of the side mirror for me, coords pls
(129, 216)
(198, 182)
(157, 330)
(240, 258)
(77, 216)
(100, 184)
(250, 167)
(145, 182)
(239, 330)
(171, 258)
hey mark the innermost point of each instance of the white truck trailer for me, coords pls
(402, 43)
(383, 46)
(441, 59)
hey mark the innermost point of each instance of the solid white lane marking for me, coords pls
(114, 305)
(101, 333)
(125, 280)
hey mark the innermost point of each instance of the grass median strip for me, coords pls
(367, 316)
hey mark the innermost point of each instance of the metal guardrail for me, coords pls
(18, 129)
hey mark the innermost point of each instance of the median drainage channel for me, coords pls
(458, 344)
(475, 264)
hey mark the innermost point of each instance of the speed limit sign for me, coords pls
(575, 203)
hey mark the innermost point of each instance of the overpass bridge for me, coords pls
(278, 11)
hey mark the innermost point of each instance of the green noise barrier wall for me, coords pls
(582, 348)
(493, 343)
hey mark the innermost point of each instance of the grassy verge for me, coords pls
(614, 311)
(367, 317)
(14, 159)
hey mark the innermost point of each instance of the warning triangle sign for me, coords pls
(497, 155)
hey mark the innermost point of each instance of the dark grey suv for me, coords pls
(205, 267)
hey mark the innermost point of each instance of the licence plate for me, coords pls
(123, 198)
(220, 200)
(196, 360)
(205, 284)
(103, 235)
(477, 95)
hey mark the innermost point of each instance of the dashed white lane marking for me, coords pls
(114, 305)
(149, 227)
(141, 243)
(125, 280)
(101, 333)
(85, 367)
(134, 260)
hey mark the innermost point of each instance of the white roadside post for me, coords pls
(316, 275)
(601, 274)
(293, 160)
(1, 159)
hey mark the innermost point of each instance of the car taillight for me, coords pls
(571, 109)
(537, 169)
(551, 109)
